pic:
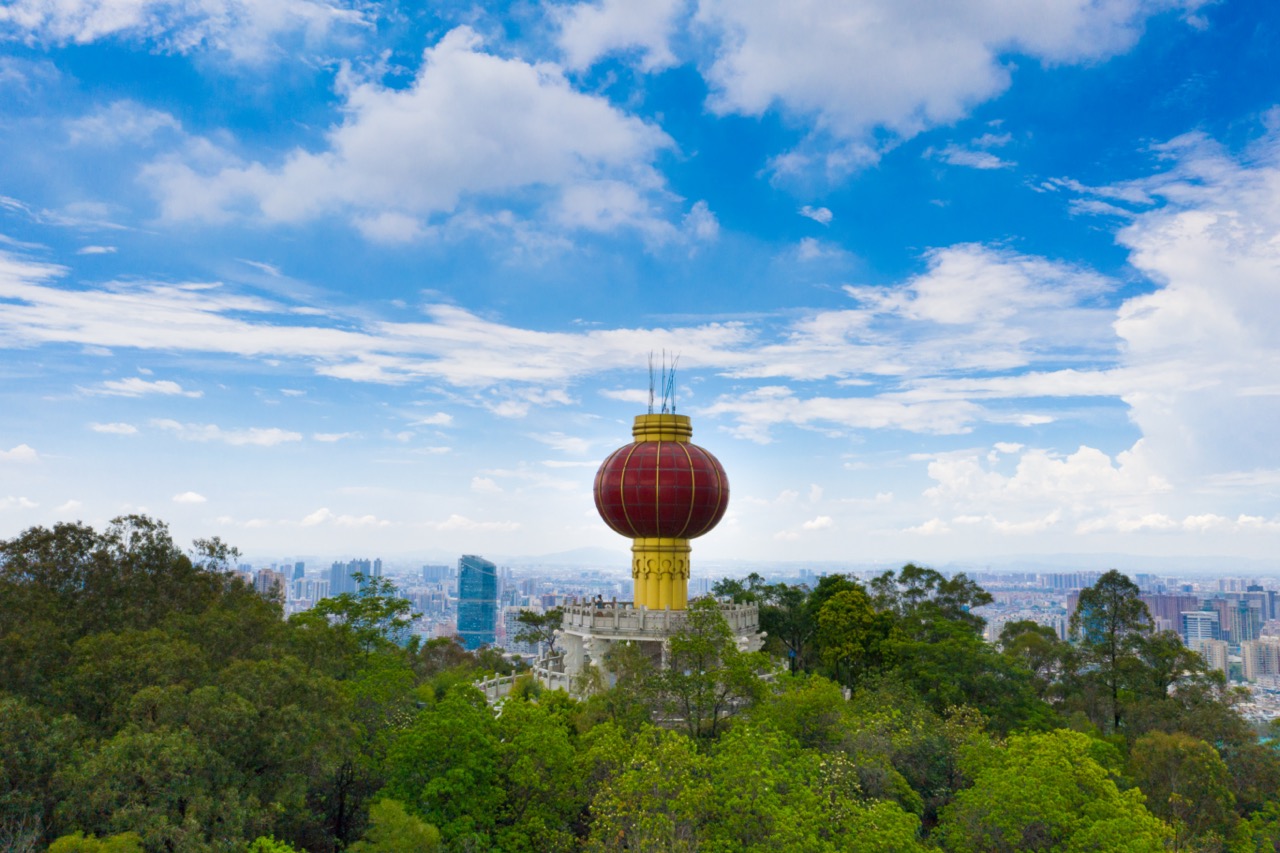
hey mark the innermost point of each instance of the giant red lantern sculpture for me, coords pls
(661, 490)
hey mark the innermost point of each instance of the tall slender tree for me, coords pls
(1110, 623)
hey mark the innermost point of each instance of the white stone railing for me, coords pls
(622, 618)
(548, 670)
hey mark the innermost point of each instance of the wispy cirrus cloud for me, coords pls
(254, 436)
(246, 30)
(137, 387)
(115, 428)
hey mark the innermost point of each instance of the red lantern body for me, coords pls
(661, 490)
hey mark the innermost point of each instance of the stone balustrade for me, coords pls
(622, 619)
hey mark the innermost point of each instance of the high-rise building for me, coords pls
(1214, 653)
(299, 570)
(512, 626)
(269, 583)
(477, 601)
(1260, 657)
(1166, 610)
(1200, 625)
(342, 576)
(436, 574)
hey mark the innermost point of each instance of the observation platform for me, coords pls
(590, 629)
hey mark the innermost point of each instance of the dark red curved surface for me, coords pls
(661, 488)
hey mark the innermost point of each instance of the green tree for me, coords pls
(163, 785)
(707, 679)
(445, 769)
(1037, 648)
(1187, 784)
(850, 636)
(745, 591)
(1110, 623)
(394, 830)
(921, 597)
(540, 628)
(1047, 792)
(788, 623)
(78, 842)
(375, 614)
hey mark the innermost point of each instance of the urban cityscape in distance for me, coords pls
(1232, 621)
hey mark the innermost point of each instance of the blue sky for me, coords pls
(946, 280)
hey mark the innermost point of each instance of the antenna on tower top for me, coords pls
(668, 379)
(651, 382)
(669, 383)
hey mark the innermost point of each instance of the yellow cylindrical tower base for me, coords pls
(660, 569)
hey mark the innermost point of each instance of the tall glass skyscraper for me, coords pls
(477, 601)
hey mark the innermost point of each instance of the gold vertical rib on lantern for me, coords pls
(660, 564)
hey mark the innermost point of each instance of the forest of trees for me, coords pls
(151, 702)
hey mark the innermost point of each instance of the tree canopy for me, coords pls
(150, 701)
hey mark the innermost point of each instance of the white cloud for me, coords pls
(21, 453)
(69, 506)
(1201, 348)
(120, 122)
(822, 522)
(189, 498)
(114, 428)
(589, 31)
(821, 215)
(485, 486)
(96, 250)
(851, 68)
(135, 387)
(571, 444)
(11, 502)
(437, 419)
(461, 522)
(932, 527)
(757, 411)
(390, 227)
(973, 158)
(471, 125)
(324, 516)
(259, 436)
(244, 29)
(331, 437)
(1086, 478)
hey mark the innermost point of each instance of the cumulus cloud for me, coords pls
(11, 502)
(589, 31)
(485, 486)
(850, 69)
(189, 498)
(21, 453)
(471, 125)
(69, 506)
(1201, 347)
(258, 436)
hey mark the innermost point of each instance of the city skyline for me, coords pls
(333, 277)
